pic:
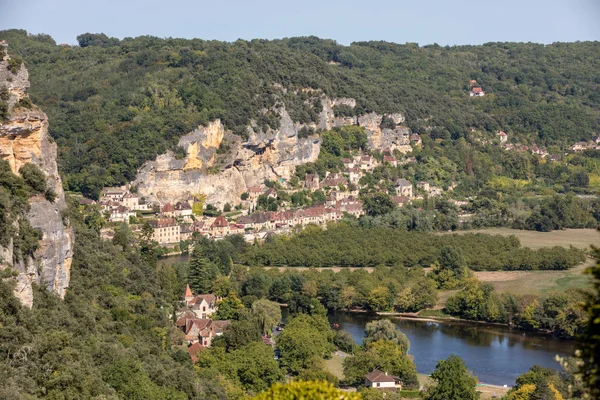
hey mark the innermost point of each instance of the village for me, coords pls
(270, 207)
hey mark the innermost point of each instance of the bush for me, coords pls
(14, 64)
(33, 177)
(25, 102)
(50, 195)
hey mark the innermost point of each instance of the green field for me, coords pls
(537, 282)
(540, 282)
(581, 238)
(335, 364)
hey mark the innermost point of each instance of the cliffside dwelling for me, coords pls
(311, 181)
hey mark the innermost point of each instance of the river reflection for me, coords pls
(495, 355)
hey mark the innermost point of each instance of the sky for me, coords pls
(446, 22)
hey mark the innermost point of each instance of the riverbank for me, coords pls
(487, 390)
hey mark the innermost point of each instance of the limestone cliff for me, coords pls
(24, 139)
(223, 175)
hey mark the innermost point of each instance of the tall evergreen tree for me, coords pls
(454, 381)
(590, 340)
(202, 273)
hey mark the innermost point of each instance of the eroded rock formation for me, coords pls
(24, 139)
(224, 175)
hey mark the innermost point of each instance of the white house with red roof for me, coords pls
(502, 136)
(381, 380)
(476, 92)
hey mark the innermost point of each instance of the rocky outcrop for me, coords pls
(24, 139)
(224, 175)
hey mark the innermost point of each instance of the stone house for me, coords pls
(219, 227)
(354, 174)
(502, 136)
(311, 181)
(348, 162)
(476, 92)
(114, 193)
(415, 139)
(381, 380)
(271, 193)
(167, 210)
(253, 193)
(390, 160)
(182, 209)
(130, 201)
(120, 214)
(400, 201)
(166, 230)
(404, 188)
(185, 232)
(579, 146)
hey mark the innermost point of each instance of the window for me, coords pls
(378, 384)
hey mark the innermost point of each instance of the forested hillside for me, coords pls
(117, 103)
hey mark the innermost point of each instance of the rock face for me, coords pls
(223, 175)
(24, 139)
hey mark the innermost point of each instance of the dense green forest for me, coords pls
(114, 104)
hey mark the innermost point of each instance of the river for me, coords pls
(496, 355)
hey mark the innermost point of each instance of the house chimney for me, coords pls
(385, 373)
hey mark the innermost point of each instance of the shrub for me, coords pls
(33, 177)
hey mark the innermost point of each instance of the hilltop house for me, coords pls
(476, 91)
(381, 380)
(415, 139)
(404, 188)
(502, 136)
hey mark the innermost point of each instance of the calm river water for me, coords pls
(496, 355)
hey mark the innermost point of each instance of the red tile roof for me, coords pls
(193, 351)
(380, 376)
(220, 222)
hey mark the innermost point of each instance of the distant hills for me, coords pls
(114, 104)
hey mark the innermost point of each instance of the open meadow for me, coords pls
(581, 238)
(540, 282)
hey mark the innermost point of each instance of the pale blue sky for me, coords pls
(421, 21)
